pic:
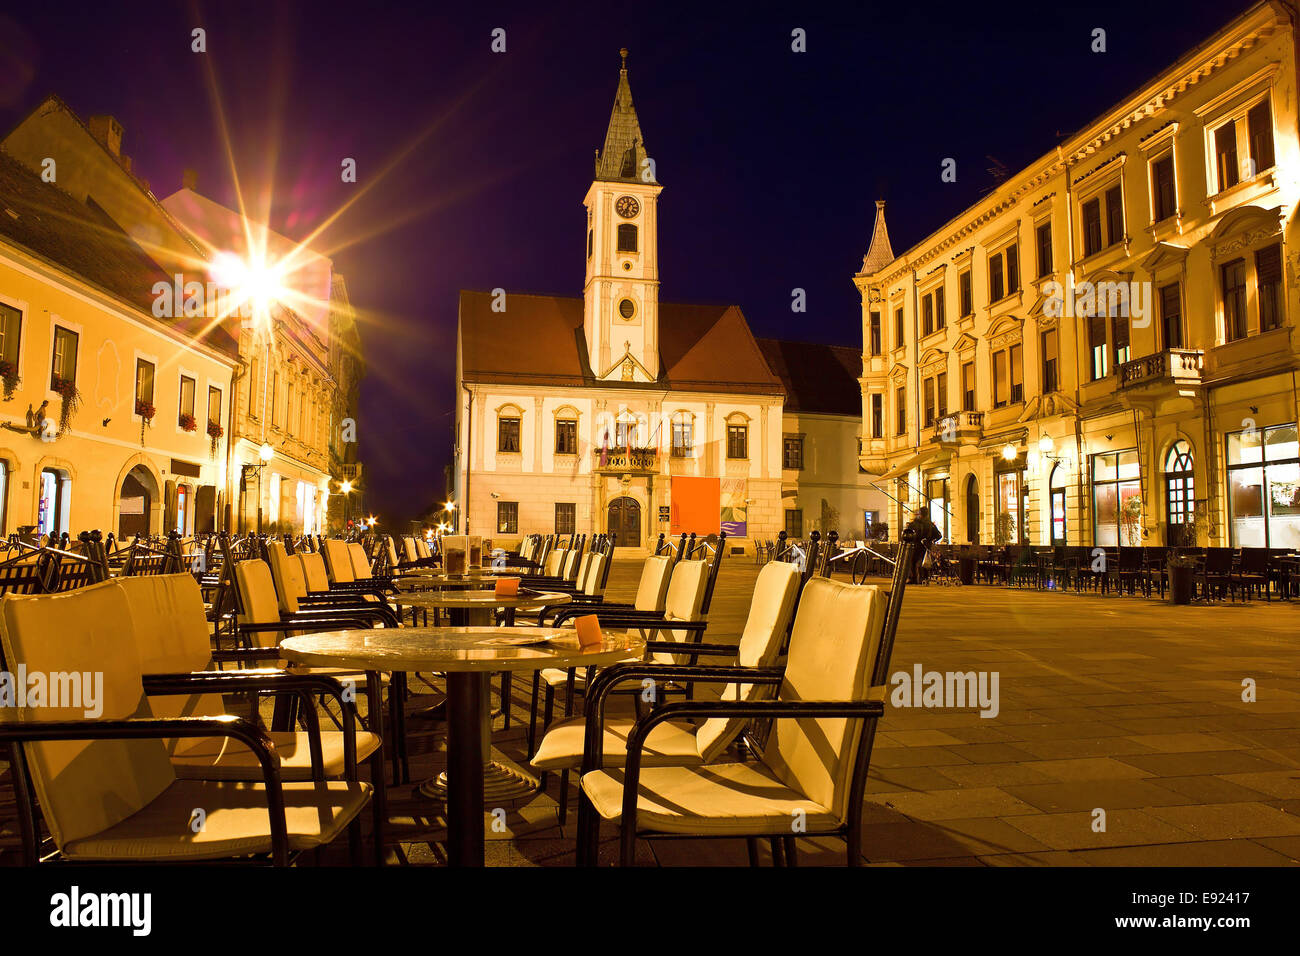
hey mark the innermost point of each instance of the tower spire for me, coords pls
(622, 159)
(879, 254)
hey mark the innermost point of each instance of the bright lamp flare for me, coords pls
(1009, 451)
(1045, 444)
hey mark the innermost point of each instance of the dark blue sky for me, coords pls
(472, 165)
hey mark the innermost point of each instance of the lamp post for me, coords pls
(346, 488)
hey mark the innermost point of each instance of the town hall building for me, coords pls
(615, 411)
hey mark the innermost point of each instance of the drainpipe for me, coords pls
(236, 377)
(1084, 509)
(469, 449)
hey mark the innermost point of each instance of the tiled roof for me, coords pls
(538, 340)
(879, 254)
(818, 378)
(83, 240)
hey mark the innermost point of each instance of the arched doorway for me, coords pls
(135, 499)
(625, 521)
(1180, 496)
(972, 510)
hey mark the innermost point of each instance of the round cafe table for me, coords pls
(468, 656)
(437, 580)
(476, 608)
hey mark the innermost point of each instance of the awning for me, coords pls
(898, 471)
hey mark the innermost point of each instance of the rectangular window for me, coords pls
(999, 379)
(968, 387)
(874, 337)
(566, 517)
(683, 443)
(1017, 374)
(793, 523)
(929, 402)
(275, 397)
(1120, 336)
(1164, 199)
(1114, 215)
(939, 319)
(1171, 316)
(64, 365)
(1091, 227)
(11, 321)
(900, 397)
(508, 434)
(1263, 495)
(1100, 359)
(566, 437)
(792, 452)
(214, 405)
(1225, 155)
(1117, 497)
(941, 387)
(1044, 234)
(997, 289)
(965, 301)
(877, 415)
(1259, 128)
(899, 337)
(507, 517)
(187, 397)
(737, 441)
(143, 382)
(254, 407)
(1050, 380)
(1013, 269)
(627, 238)
(927, 315)
(1233, 275)
(1268, 276)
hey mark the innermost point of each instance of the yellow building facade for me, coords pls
(1102, 351)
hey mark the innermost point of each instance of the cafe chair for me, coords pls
(295, 598)
(170, 635)
(814, 767)
(106, 786)
(681, 743)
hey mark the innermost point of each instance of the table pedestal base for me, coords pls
(502, 783)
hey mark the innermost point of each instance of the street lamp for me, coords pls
(1009, 452)
(264, 454)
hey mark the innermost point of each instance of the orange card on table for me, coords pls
(507, 587)
(588, 627)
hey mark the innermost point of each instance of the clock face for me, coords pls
(627, 206)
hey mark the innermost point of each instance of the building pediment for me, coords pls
(965, 343)
(1163, 255)
(1242, 228)
(899, 374)
(1006, 332)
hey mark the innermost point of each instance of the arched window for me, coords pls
(1180, 494)
(627, 237)
(627, 430)
(1057, 486)
(683, 434)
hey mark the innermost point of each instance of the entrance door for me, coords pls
(625, 521)
(134, 502)
(972, 510)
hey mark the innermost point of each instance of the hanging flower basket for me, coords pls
(189, 423)
(146, 411)
(215, 431)
(9, 376)
(67, 390)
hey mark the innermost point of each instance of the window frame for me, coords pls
(788, 442)
(737, 439)
(508, 512)
(503, 431)
(567, 427)
(67, 333)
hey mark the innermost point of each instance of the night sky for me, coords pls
(472, 165)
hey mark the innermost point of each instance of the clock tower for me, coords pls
(621, 294)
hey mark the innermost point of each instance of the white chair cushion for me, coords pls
(670, 743)
(219, 758)
(722, 799)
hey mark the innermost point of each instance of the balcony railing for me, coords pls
(1170, 367)
(627, 459)
(959, 426)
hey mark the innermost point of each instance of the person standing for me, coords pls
(927, 533)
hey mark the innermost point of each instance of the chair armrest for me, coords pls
(606, 679)
(142, 728)
(777, 709)
(694, 650)
(275, 682)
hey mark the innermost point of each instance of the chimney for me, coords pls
(108, 131)
(190, 180)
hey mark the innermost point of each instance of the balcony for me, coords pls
(1180, 368)
(626, 460)
(959, 428)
